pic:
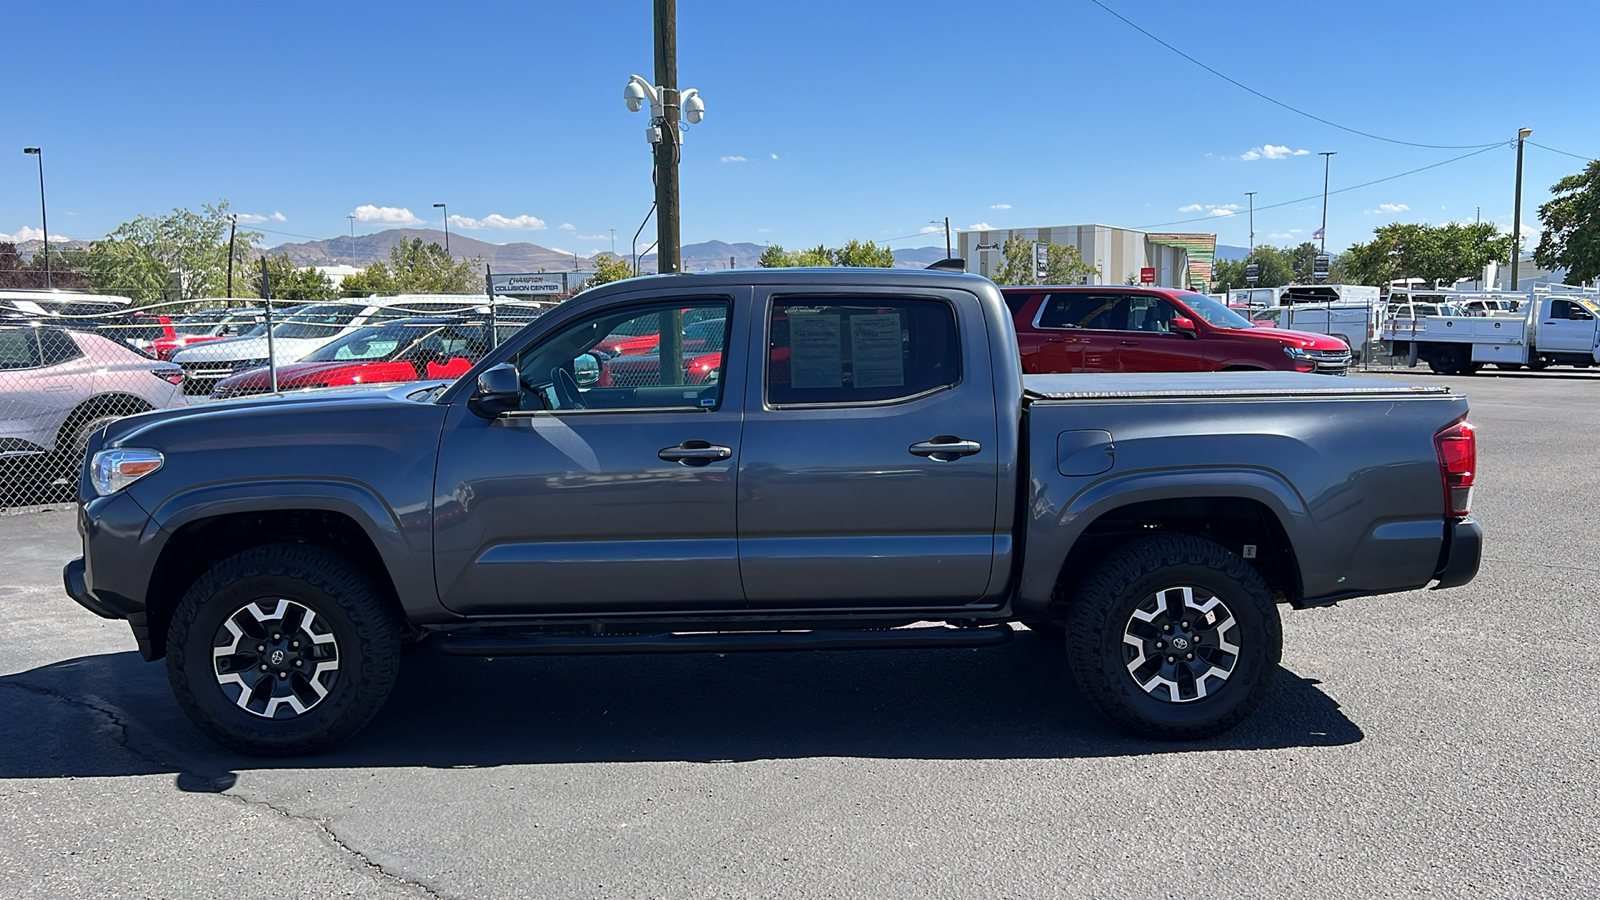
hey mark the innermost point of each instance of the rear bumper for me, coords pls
(1463, 550)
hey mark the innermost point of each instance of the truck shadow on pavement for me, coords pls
(113, 715)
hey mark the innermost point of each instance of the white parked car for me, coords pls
(305, 329)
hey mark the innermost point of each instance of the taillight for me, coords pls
(1458, 466)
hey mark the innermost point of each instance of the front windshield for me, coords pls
(320, 321)
(379, 342)
(1213, 311)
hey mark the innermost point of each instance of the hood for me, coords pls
(308, 410)
(284, 349)
(1303, 339)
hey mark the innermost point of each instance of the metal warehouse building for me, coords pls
(1180, 260)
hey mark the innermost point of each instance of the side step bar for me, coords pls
(721, 641)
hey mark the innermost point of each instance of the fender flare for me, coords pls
(358, 501)
(1053, 539)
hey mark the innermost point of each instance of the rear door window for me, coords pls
(19, 349)
(842, 352)
(56, 347)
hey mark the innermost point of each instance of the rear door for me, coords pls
(1147, 342)
(846, 499)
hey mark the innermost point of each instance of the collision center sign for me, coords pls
(525, 284)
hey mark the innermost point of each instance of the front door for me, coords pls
(1567, 327)
(870, 462)
(612, 488)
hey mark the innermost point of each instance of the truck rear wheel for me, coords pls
(1174, 638)
(282, 650)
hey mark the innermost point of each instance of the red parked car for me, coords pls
(398, 350)
(1114, 328)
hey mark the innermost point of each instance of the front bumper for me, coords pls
(1463, 551)
(120, 548)
(78, 589)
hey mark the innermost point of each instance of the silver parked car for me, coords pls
(58, 387)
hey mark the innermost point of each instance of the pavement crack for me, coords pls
(122, 737)
(322, 826)
(109, 713)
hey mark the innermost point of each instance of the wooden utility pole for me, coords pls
(669, 243)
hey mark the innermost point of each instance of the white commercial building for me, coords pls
(1120, 254)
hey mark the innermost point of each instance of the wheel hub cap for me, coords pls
(275, 658)
(1181, 644)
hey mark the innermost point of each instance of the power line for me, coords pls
(1342, 190)
(1276, 102)
(1562, 152)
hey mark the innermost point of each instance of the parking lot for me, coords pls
(1417, 744)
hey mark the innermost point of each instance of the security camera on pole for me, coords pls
(664, 132)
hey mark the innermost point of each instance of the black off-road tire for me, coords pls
(365, 631)
(1051, 629)
(1131, 577)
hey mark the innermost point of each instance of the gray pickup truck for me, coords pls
(764, 460)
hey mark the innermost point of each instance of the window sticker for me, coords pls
(876, 357)
(814, 352)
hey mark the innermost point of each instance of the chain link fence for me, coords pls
(72, 363)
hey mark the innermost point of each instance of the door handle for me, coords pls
(1129, 343)
(1051, 340)
(945, 448)
(695, 453)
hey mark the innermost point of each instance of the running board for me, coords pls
(722, 641)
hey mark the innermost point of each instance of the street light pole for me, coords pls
(446, 226)
(1252, 196)
(1516, 215)
(1327, 157)
(668, 238)
(44, 219)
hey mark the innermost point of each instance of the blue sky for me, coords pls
(825, 120)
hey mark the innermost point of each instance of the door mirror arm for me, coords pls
(499, 391)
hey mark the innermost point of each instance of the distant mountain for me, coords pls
(1227, 253)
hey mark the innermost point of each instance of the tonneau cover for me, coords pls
(1214, 386)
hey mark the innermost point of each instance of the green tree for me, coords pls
(862, 255)
(773, 257)
(608, 268)
(180, 255)
(288, 281)
(1440, 255)
(415, 267)
(1571, 238)
(66, 269)
(1063, 264)
(1302, 261)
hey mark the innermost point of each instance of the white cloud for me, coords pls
(1001, 206)
(1281, 236)
(1219, 211)
(568, 226)
(1271, 151)
(774, 156)
(591, 237)
(1193, 207)
(498, 222)
(764, 230)
(734, 159)
(977, 226)
(26, 233)
(253, 219)
(385, 215)
(1393, 207)
(931, 229)
(1212, 209)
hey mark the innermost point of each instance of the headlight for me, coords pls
(1297, 353)
(113, 470)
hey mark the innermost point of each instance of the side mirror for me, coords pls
(499, 391)
(1182, 325)
(586, 370)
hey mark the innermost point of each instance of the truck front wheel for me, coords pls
(1174, 638)
(282, 650)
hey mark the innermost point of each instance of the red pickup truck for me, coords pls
(1114, 328)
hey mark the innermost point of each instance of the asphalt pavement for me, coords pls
(1440, 744)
